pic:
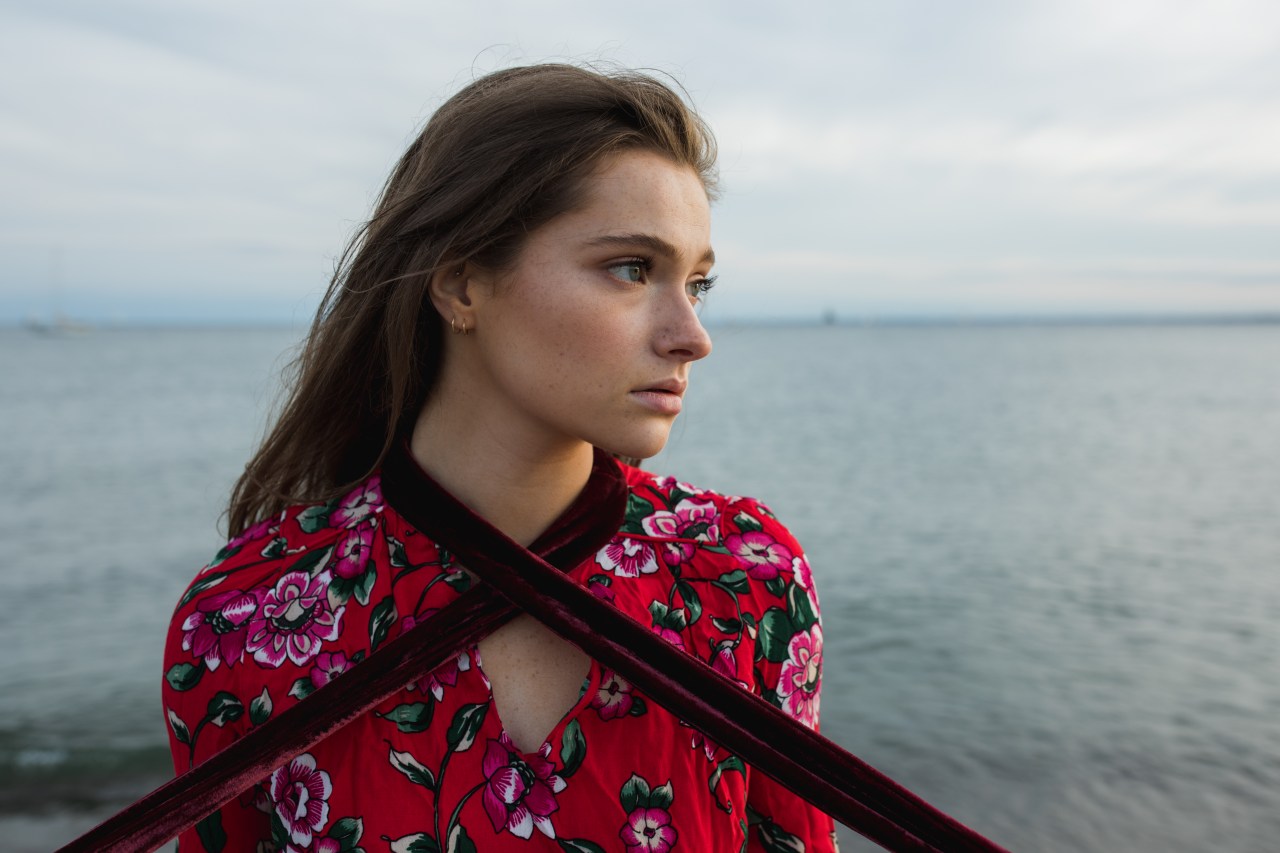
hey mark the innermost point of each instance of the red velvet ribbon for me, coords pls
(517, 579)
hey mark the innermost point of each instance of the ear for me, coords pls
(455, 289)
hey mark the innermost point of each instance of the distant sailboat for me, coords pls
(58, 323)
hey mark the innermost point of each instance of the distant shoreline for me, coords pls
(837, 321)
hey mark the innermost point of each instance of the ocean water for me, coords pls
(1047, 558)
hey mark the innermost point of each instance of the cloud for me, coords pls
(166, 148)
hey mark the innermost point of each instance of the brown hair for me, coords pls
(499, 159)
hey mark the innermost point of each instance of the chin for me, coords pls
(634, 446)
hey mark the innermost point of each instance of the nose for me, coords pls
(683, 336)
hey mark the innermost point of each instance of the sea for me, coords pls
(1048, 557)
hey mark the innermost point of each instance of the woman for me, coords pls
(519, 315)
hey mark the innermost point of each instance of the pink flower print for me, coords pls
(216, 631)
(649, 830)
(364, 501)
(726, 663)
(627, 558)
(801, 676)
(689, 519)
(520, 790)
(328, 667)
(804, 579)
(268, 526)
(353, 552)
(613, 699)
(295, 618)
(701, 741)
(446, 674)
(300, 794)
(601, 591)
(677, 552)
(672, 637)
(759, 553)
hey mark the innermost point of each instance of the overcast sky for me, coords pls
(205, 161)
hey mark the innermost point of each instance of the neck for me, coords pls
(518, 483)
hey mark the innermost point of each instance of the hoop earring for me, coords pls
(453, 324)
(465, 330)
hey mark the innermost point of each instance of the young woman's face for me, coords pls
(590, 336)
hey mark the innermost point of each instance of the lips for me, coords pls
(669, 386)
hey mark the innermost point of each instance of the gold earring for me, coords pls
(465, 330)
(453, 324)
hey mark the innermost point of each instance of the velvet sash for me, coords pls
(517, 579)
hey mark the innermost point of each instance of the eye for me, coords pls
(700, 287)
(632, 270)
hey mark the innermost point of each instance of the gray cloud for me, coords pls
(208, 159)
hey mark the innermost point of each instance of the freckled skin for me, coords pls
(561, 341)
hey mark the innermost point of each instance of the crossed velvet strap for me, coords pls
(516, 579)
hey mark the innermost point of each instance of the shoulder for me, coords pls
(743, 529)
(286, 561)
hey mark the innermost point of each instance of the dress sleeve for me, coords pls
(208, 706)
(788, 669)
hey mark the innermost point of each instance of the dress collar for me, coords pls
(584, 528)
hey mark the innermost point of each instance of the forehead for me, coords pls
(639, 192)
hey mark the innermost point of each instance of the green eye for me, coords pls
(632, 272)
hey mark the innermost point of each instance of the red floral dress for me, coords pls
(299, 599)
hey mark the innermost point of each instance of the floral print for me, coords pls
(218, 628)
(296, 601)
(628, 558)
(294, 619)
(802, 676)
(300, 795)
(648, 830)
(362, 502)
(759, 553)
(520, 790)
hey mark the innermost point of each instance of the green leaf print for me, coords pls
(732, 764)
(212, 836)
(727, 626)
(347, 832)
(302, 688)
(747, 523)
(776, 631)
(666, 617)
(460, 842)
(691, 600)
(312, 561)
(184, 676)
(579, 845)
(417, 772)
(638, 509)
(799, 609)
(775, 839)
(315, 518)
(380, 622)
(364, 585)
(464, 728)
(638, 707)
(661, 797)
(206, 582)
(735, 581)
(223, 708)
(573, 749)
(411, 718)
(260, 708)
(634, 794)
(777, 587)
(418, 842)
(180, 730)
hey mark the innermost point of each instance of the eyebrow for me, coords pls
(655, 244)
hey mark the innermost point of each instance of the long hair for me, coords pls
(502, 157)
